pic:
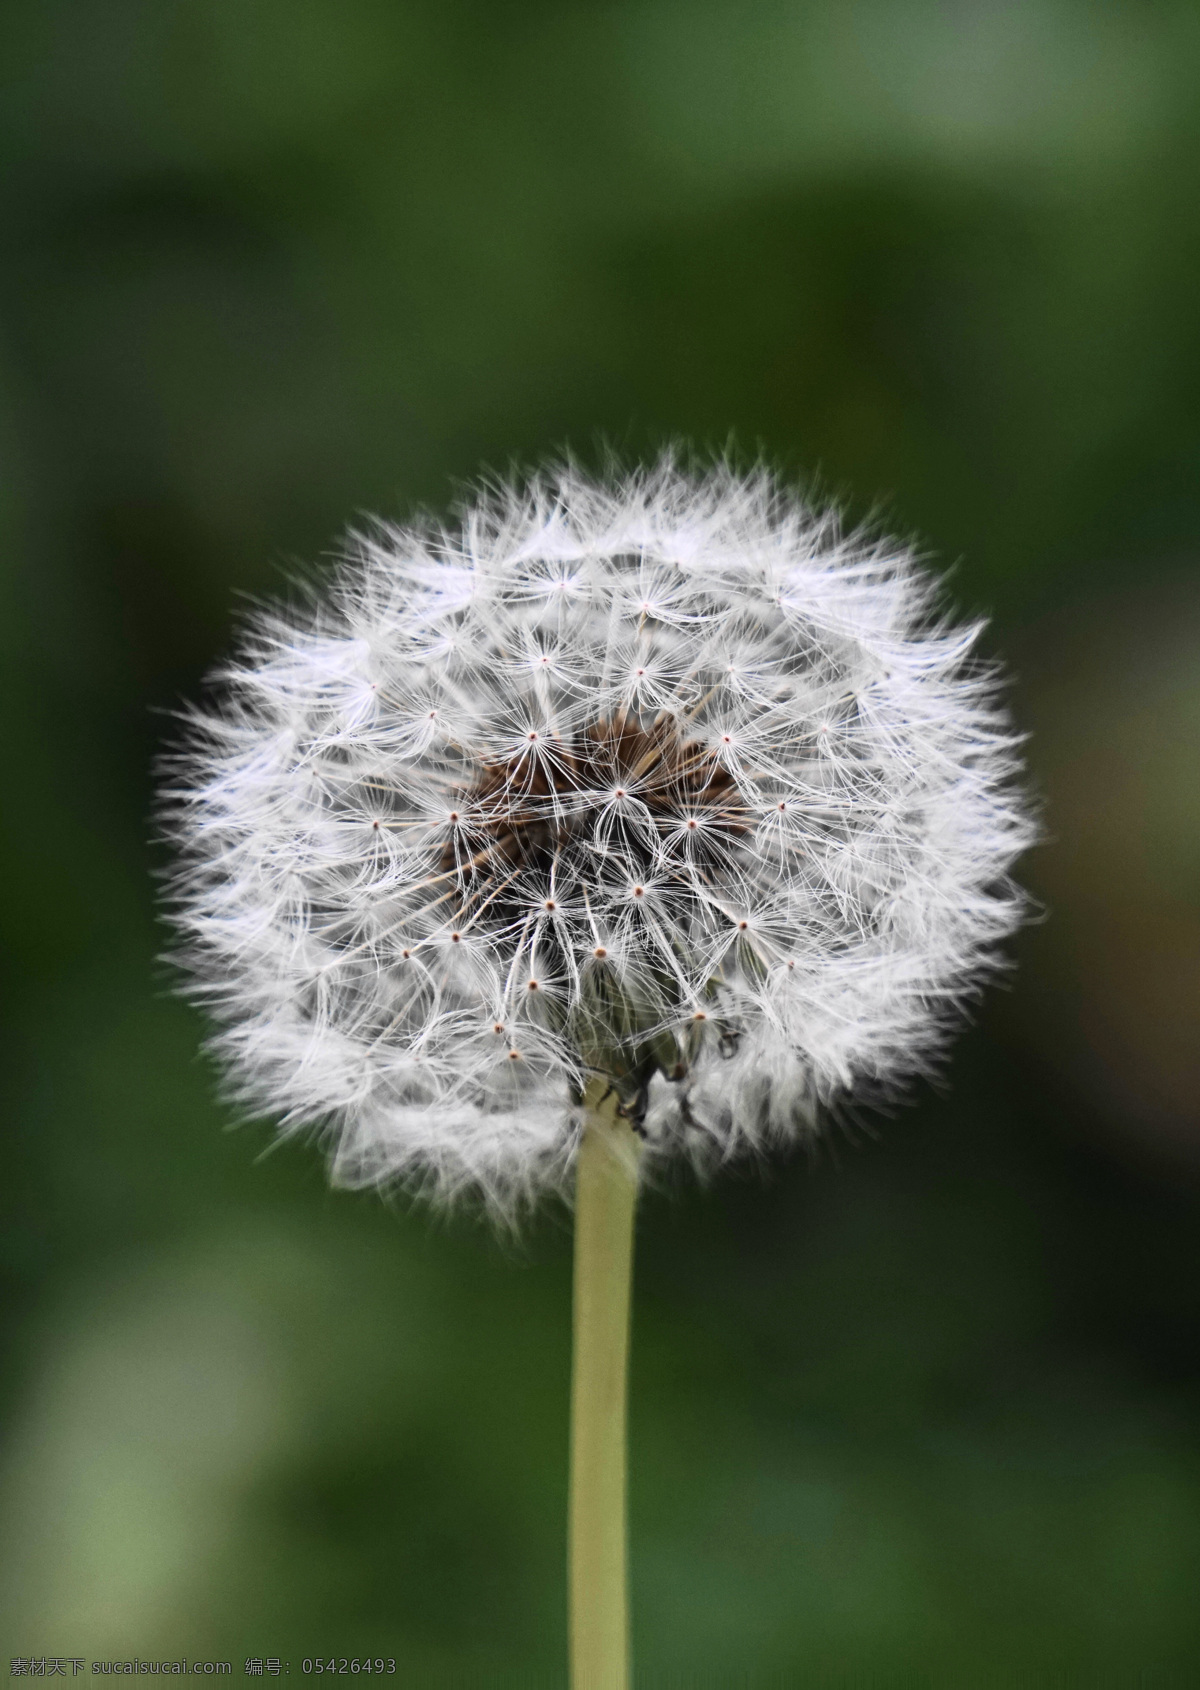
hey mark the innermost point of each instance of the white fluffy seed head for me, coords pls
(664, 779)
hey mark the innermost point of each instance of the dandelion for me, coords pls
(622, 822)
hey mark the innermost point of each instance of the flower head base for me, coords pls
(665, 781)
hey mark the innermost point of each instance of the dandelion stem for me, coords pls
(606, 1191)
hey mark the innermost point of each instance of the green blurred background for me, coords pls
(921, 1409)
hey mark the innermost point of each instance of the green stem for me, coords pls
(605, 1193)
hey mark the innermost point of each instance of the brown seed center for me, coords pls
(634, 784)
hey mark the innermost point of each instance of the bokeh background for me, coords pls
(921, 1409)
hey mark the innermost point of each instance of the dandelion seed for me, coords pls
(746, 711)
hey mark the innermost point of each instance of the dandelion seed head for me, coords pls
(505, 806)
